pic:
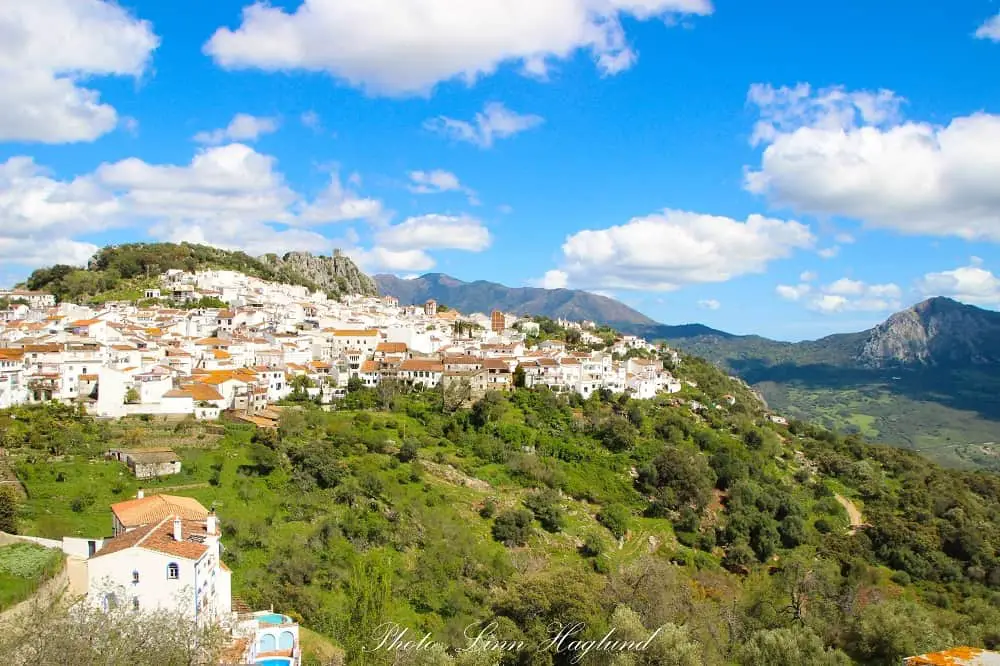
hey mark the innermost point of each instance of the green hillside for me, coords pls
(726, 530)
(124, 271)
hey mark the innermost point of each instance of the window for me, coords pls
(135, 576)
(173, 571)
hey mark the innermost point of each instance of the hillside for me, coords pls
(482, 296)
(122, 271)
(530, 508)
(926, 378)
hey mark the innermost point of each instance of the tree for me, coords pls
(790, 646)
(8, 509)
(369, 595)
(132, 396)
(407, 451)
(519, 377)
(354, 384)
(85, 635)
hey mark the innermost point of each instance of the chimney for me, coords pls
(178, 529)
(140, 494)
(210, 522)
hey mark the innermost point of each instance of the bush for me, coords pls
(408, 451)
(489, 508)
(513, 528)
(545, 506)
(8, 510)
(615, 517)
(593, 545)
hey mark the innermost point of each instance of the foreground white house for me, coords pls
(167, 554)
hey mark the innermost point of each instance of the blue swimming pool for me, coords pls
(274, 661)
(274, 618)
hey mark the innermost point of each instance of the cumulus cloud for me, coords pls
(969, 284)
(440, 232)
(374, 45)
(667, 250)
(339, 204)
(844, 295)
(394, 261)
(494, 122)
(243, 127)
(990, 29)
(832, 152)
(47, 48)
(808, 276)
(553, 279)
(230, 196)
(709, 304)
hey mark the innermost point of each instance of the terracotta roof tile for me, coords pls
(135, 512)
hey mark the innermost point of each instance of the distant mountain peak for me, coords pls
(936, 331)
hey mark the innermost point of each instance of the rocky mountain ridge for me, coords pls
(934, 332)
(335, 274)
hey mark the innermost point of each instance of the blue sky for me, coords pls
(784, 168)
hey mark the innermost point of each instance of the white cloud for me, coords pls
(829, 252)
(847, 295)
(439, 181)
(311, 120)
(339, 204)
(495, 121)
(394, 261)
(808, 276)
(846, 287)
(792, 292)
(850, 155)
(230, 196)
(243, 127)
(433, 182)
(709, 304)
(44, 251)
(46, 48)
(667, 250)
(990, 29)
(844, 238)
(440, 232)
(375, 45)
(969, 284)
(554, 279)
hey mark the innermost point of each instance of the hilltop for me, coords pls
(483, 296)
(121, 271)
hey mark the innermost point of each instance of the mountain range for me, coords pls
(482, 296)
(926, 378)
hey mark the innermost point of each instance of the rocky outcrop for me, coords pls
(336, 275)
(937, 331)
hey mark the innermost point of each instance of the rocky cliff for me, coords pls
(335, 274)
(937, 331)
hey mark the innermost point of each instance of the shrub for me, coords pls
(615, 517)
(545, 506)
(408, 451)
(513, 528)
(593, 545)
(489, 508)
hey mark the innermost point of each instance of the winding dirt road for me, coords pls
(852, 512)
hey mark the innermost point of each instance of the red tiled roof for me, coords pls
(146, 510)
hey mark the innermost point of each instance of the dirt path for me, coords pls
(852, 513)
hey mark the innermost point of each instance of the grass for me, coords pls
(23, 568)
